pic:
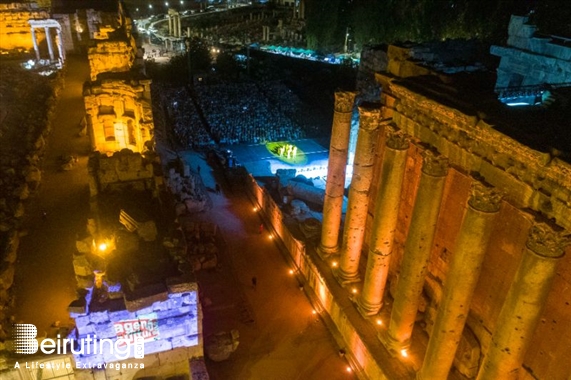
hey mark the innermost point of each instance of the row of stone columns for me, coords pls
(385, 222)
(414, 266)
(525, 300)
(461, 280)
(174, 24)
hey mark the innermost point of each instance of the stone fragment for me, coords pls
(221, 345)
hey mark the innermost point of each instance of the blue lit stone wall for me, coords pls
(166, 320)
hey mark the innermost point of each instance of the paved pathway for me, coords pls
(285, 340)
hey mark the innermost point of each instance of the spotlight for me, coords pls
(404, 353)
(354, 290)
(334, 264)
(102, 247)
(291, 271)
(348, 369)
(313, 312)
(271, 237)
(379, 322)
(255, 209)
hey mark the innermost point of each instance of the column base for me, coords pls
(367, 311)
(326, 252)
(393, 346)
(345, 280)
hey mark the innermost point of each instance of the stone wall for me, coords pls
(119, 114)
(111, 56)
(15, 30)
(173, 319)
(123, 169)
(530, 58)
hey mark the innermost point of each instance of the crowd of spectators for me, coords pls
(234, 113)
(243, 113)
(183, 117)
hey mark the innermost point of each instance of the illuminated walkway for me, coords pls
(285, 340)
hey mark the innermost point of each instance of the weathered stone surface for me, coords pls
(145, 297)
(220, 346)
(77, 308)
(468, 354)
(99, 316)
(81, 266)
(180, 285)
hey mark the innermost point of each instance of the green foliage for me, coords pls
(388, 21)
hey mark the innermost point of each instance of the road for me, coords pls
(286, 340)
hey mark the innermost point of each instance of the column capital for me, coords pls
(396, 139)
(484, 198)
(369, 117)
(433, 165)
(344, 101)
(546, 241)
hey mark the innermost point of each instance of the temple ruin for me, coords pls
(457, 269)
(118, 113)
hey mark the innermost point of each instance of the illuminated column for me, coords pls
(356, 216)
(463, 273)
(335, 187)
(416, 252)
(60, 47)
(36, 49)
(179, 32)
(384, 225)
(524, 304)
(170, 24)
(50, 43)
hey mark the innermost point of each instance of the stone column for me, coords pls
(170, 24)
(50, 43)
(60, 47)
(179, 31)
(416, 252)
(383, 230)
(36, 48)
(335, 186)
(524, 304)
(358, 205)
(463, 273)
